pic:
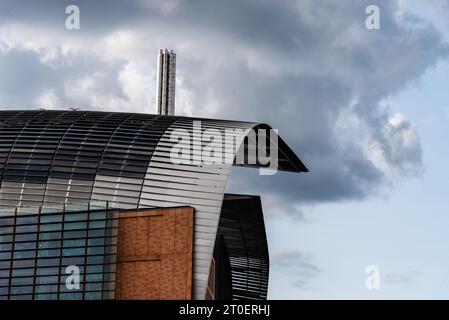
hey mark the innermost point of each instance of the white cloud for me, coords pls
(299, 266)
(136, 82)
(48, 100)
(404, 153)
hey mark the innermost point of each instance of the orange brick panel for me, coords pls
(154, 259)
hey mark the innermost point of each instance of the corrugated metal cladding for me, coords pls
(51, 157)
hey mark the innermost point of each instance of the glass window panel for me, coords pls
(50, 236)
(97, 233)
(71, 296)
(27, 219)
(47, 262)
(4, 273)
(94, 277)
(21, 290)
(26, 237)
(6, 230)
(97, 224)
(49, 244)
(24, 254)
(47, 288)
(73, 252)
(95, 260)
(47, 279)
(6, 221)
(25, 245)
(75, 216)
(77, 261)
(74, 234)
(93, 295)
(24, 229)
(21, 297)
(5, 255)
(23, 263)
(5, 246)
(46, 296)
(96, 242)
(94, 286)
(74, 225)
(47, 271)
(22, 281)
(51, 227)
(51, 218)
(22, 272)
(4, 238)
(49, 253)
(101, 215)
(94, 269)
(95, 251)
(74, 243)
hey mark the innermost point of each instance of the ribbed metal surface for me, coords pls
(242, 229)
(60, 157)
(167, 184)
(50, 157)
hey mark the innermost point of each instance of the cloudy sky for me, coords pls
(366, 110)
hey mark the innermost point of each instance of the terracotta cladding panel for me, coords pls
(118, 280)
(129, 239)
(142, 235)
(155, 254)
(181, 241)
(140, 280)
(167, 278)
(154, 286)
(127, 287)
(155, 235)
(168, 233)
(180, 281)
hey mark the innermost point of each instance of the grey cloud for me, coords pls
(98, 16)
(22, 77)
(25, 77)
(306, 102)
(308, 68)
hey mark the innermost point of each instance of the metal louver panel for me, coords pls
(74, 157)
(242, 229)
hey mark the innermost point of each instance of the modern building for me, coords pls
(166, 81)
(105, 193)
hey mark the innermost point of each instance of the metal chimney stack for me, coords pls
(166, 76)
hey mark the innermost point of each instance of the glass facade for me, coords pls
(43, 248)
